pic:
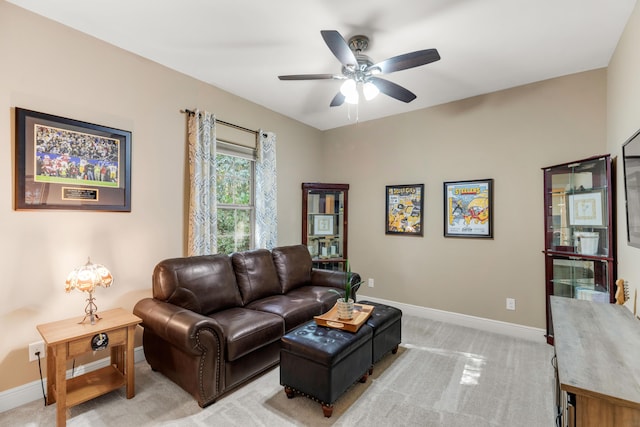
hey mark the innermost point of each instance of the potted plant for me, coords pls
(345, 303)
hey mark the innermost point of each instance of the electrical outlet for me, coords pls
(511, 304)
(370, 283)
(34, 348)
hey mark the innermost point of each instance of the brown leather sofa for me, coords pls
(215, 321)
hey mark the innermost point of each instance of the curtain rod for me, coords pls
(222, 122)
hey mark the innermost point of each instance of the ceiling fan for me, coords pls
(359, 70)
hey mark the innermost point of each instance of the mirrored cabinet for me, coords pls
(579, 235)
(324, 223)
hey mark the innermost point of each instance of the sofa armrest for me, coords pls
(178, 326)
(334, 279)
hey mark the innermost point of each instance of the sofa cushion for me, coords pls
(247, 330)
(293, 264)
(255, 274)
(293, 310)
(203, 284)
(321, 294)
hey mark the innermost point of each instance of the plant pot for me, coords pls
(345, 309)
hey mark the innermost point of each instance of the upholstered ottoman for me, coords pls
(386, 322)
(322, 363)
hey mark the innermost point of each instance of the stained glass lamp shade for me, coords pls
(85, 278)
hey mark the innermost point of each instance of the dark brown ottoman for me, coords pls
(322, 363)
(386, 323)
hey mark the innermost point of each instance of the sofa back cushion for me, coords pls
(204, 284)
(293, 264)
(255, 274)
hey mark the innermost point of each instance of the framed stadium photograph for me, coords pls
(63, 163)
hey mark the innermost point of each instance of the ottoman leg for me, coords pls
(363, 379)
(395, 350)
(327, 410)
(289, 391)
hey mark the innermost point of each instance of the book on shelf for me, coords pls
(314, 203)
(329, 204)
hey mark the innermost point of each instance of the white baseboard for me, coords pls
(26, 393)
(489, 325)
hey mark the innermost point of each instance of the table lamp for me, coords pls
(85, 278)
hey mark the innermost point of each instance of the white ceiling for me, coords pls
(242, 46)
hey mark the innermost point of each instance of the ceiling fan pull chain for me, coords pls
(357, 108)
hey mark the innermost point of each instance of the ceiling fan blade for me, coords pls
(339, 48)
(407, 60)
(310, 77)
(337, 100)
(393, 90)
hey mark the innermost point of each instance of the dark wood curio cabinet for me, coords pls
(580, 247)
(324, 223)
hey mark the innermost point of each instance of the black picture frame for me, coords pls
(631, 173)
(404, 210)
(468, 208)
(62, 163)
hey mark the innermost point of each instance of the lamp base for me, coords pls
(90, 310)
(93, 317)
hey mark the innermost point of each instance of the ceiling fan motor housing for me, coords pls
(358, 44)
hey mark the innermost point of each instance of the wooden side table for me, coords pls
(597, 347)
(67, 339)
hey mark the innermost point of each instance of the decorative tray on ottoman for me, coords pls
(361, 313)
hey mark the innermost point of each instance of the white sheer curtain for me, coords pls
(266, 192)
(203, 217)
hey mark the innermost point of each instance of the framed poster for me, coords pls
(404, 207)
(468, 208)
(68, 164)
(586, 209)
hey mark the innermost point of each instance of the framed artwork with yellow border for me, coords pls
(468, 208)
(404, 209)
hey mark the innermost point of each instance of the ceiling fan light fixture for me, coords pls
(350, 91)
(370, 91)
(348, 87)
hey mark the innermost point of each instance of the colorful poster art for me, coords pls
(404, 207)
(468, 206)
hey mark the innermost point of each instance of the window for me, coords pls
(235, 197)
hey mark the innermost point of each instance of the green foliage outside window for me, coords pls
(234, 186)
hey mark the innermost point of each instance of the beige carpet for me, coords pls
(443, 375)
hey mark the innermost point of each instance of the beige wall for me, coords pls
(508, 136)
(623, 120)
(49, 68)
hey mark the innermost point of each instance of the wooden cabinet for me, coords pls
(324, 223)
(67, 339)
(580, 242)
